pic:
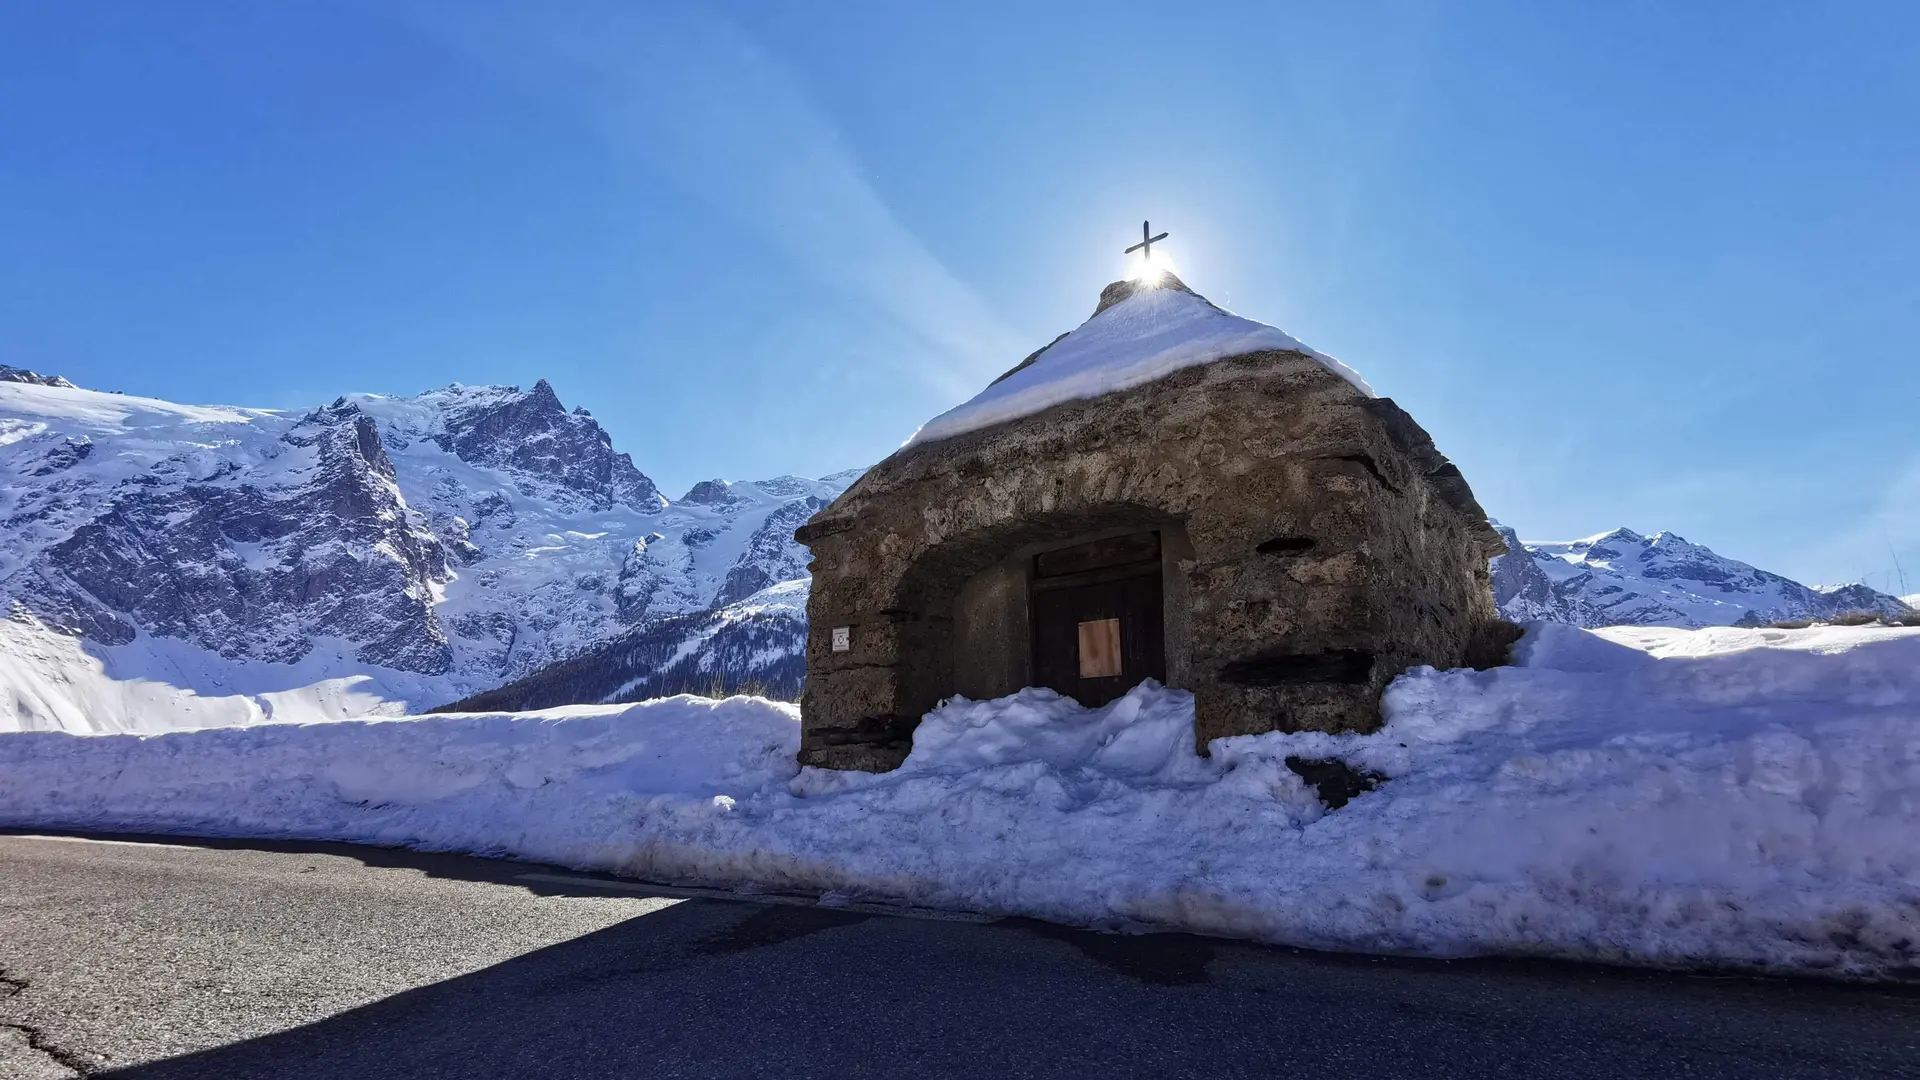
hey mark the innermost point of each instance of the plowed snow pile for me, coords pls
(1720, 797)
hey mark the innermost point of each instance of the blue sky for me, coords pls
(1635, 264)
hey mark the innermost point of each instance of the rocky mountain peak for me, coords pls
(253, 550)
(1623, 578)
(213, 540)
(1610, 545)
(533, 435)
(22, 375)
(710, 493)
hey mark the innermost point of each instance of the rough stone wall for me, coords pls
(992, 632)
(1329, 547)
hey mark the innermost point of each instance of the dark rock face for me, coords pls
(1859, 599)
(256, 574)
(22, 375)
(771, 555)
(536, 436)
(64, 455)
(1524, 592)
(468, 535)
(638, 581)
(710, 493)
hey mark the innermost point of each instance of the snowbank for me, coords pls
(1728, 797)
(50, 681)
(1151, 334)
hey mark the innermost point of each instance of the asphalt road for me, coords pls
(205, 959)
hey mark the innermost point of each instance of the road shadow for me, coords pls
(713, 988)
(732, 987)
(546, 880)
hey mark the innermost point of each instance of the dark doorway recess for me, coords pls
(1097, 627)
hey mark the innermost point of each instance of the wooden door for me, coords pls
(1097, 619)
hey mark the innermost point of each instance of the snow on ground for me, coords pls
(51, 681)
(1151, 334)
(1746, 798)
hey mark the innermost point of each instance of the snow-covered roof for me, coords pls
(1152, 333)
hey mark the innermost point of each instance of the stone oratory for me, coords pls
(1168, 492)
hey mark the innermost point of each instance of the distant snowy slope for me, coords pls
(50, 681)
(553, 561)
(754, 645)
(424, 548)
(1621, 578)
(1616, 579)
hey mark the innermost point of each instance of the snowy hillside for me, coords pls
(756, 645)
(234, 562)
(1621, 578)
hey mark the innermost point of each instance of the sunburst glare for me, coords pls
(1142, 270)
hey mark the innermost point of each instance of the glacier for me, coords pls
(209, 565)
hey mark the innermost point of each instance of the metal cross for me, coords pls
(1147, 240)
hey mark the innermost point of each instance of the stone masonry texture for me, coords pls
(1332, 547)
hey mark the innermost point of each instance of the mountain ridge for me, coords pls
(1622, 578)
(382, 554)
(438, 544)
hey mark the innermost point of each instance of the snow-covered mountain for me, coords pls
(1616, 579)
(168, 565)
(375, 554)
(754, 645)
(1621, 578)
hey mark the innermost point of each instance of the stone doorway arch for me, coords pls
(967, 605)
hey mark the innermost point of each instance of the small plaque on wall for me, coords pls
(842, 638)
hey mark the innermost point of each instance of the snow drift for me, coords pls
(1728, 797)
(51, 681)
